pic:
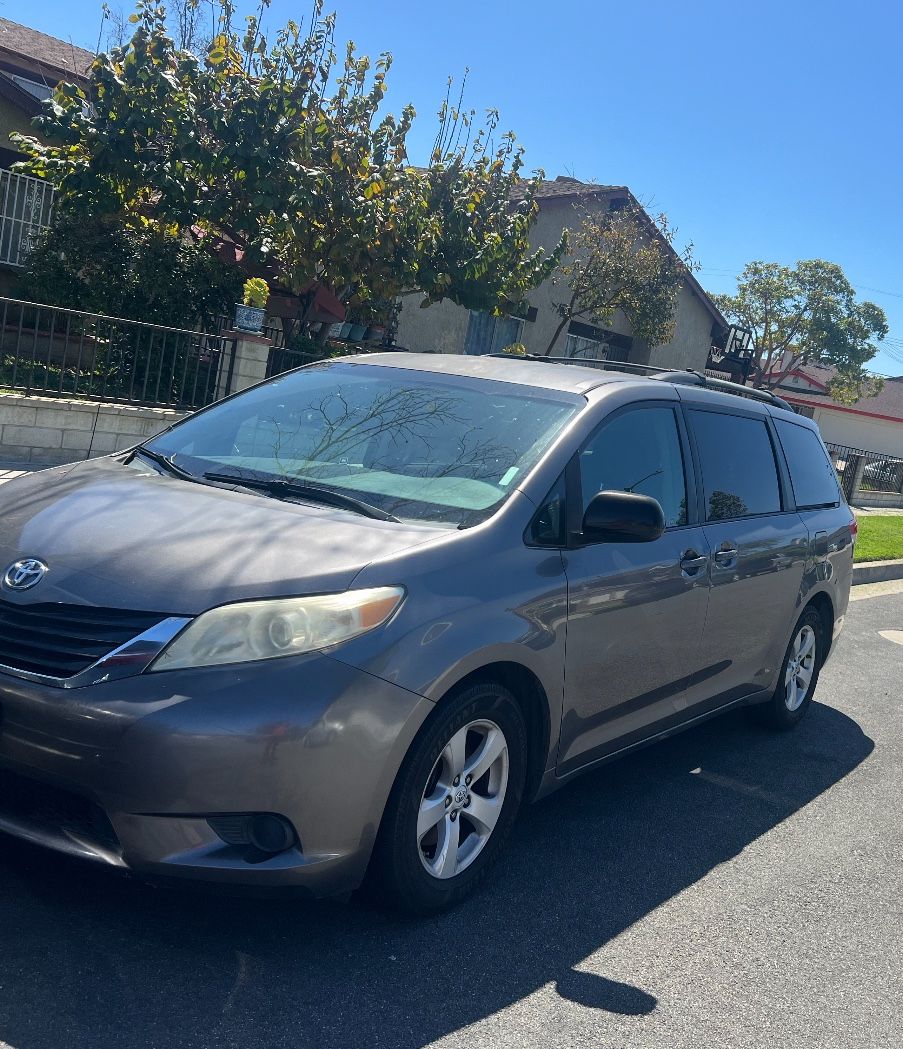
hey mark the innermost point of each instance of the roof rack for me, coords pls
(679, 376)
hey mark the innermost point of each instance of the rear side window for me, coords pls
(811, 473)
(739, 473)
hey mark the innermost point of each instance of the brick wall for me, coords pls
(51, 430)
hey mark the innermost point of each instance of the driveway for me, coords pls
(728, 888)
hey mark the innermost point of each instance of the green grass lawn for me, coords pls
(880, 538)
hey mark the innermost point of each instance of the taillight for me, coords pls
(854, 529)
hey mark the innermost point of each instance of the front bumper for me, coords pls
(127, 772)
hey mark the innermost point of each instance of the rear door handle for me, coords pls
(692, 563)
(726, 556)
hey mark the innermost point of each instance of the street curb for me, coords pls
(877, 571)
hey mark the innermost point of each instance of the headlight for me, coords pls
(278, 627)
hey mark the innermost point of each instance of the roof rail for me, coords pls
(679, 376)
(689, 377)
(587, 362)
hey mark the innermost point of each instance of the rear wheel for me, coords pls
(454, 802)
(799, 673)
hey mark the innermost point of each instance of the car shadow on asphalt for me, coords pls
(91, 958)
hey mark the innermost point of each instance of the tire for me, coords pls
(787, 707)
(413, 867)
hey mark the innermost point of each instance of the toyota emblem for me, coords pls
(24, 574)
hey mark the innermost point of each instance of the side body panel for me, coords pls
(755, 596)
(633, 651)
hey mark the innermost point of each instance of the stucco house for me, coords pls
(31, 65)
(447, 328)
(872, 424)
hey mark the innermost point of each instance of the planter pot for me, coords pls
(375, 333)
(249, 318)
(357, 332)
(345, 329)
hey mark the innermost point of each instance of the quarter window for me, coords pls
(547, 528)
(811, 471)
(640, 452)
(739, 473)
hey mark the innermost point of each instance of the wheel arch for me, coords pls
(823, 604)
(531, 696)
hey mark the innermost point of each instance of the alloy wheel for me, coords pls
(462, 799)
(800, 668)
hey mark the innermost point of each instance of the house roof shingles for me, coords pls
(20, 40)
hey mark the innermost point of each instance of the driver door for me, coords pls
(636, 611)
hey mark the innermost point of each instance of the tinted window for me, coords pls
(419, 445)
(738, 468)
(547, 527)
(638, 451)
(811, 473)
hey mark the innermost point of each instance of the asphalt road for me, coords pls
(727, 888)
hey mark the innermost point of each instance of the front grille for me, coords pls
(48, 808)
(60, 640)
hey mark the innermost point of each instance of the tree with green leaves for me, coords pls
(807, 314)
(258, 149)
(621, 260)
(128, 267)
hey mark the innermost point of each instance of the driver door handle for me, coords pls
(691, 563)
(726, 556)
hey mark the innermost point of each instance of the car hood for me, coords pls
(122, 537)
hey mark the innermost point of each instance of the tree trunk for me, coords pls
(564, 322)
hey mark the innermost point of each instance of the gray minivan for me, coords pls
(341, 625)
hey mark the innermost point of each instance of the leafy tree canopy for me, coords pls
(622, 260)
(807, 314)
(128, 267)
(260, 145)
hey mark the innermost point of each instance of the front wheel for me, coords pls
(454, 802)
(799, 673)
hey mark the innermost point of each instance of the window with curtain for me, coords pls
(488, 334)
(591, 349)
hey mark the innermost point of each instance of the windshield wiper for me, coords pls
(282, 489)
(162, 460)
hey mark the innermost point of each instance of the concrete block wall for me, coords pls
(53, 430)
(252, 352)
(875, 500)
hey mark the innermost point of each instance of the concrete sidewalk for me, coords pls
(881, 511)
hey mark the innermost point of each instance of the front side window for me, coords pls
(812, 474)
(739, 473)
(638, 451)
(414, 444)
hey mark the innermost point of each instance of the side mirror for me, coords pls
(623, 517)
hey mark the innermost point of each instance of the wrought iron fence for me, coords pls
(284, 358)
(67, 353)
(26, 205)
(864, 471)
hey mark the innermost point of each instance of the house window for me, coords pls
(591, 349)
(489, 334)
(588, 342)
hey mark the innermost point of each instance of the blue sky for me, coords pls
(766, 131)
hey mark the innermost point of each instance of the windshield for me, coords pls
(417, 445)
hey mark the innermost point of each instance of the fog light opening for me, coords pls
(271, 834)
